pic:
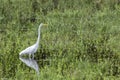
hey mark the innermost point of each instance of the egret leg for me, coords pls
(29, 56)
(32, 56)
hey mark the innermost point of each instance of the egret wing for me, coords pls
(27, 50)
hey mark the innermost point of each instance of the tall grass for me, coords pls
(81, 41)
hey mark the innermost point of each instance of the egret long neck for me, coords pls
(38, 39)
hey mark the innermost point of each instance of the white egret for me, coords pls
(32, 49)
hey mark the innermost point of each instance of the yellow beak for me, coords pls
(45, 24)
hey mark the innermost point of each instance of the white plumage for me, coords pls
(32, 49)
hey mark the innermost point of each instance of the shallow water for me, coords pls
(30, 63)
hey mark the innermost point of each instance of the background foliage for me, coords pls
(82, 40)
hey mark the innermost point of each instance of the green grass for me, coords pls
(81, 41)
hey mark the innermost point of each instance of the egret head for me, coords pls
(42, 24)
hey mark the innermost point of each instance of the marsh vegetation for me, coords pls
(82, 40)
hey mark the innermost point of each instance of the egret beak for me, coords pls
(45, 25)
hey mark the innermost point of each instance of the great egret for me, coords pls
(32, 49)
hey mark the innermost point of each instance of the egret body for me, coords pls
(32, 49)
